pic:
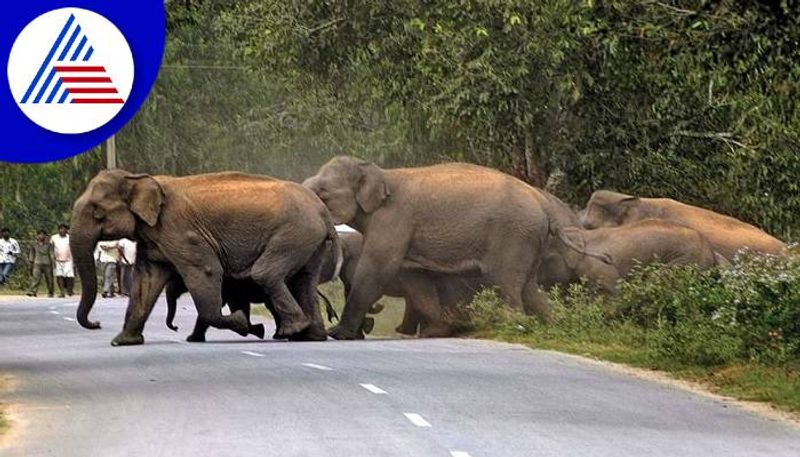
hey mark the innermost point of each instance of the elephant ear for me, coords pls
(372, 189)
(609, 198)
(146, 198)
(574, 238)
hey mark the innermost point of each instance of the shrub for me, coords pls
(681, 315)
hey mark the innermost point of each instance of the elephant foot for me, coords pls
(406, 329)
(287, 329)
(435, 331)
(338, 332)
(368, 325)
(257, 330)
(240, 323)
(125, 339)
(196, 338)
(312, 333)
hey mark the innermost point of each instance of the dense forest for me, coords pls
(697, 100)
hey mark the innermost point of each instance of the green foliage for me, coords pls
(678, 314)
(690, 99)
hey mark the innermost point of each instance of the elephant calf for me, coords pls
(607, 254)
(727, 235)
(238, 294)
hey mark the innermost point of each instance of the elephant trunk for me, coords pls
(82, 248)
(173, 292)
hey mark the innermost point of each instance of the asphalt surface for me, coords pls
(78, 396)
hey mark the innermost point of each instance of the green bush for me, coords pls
(749, 312)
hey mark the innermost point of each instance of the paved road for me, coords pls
(243, 397)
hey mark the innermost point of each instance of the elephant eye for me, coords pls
(99, 214)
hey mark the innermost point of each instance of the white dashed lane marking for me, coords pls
(459, 454)
(374, 389)
(54, 312)
(68, 319)
(254, 354)
(417, 420)
(317, 367)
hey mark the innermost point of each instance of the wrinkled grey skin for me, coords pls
(606, 255)
(454, 218)
(420, 313)
(727, 235)
(203, 228)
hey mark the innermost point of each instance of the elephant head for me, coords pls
(349, 186)
(610, 209)
(574, 250)
(112, 206)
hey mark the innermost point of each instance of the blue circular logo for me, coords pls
(76, 72)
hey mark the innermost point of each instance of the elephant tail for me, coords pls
(329, 309)
(336, 249)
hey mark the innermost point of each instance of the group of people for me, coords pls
(50, 257)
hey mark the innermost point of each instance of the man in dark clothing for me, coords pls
(41, 259)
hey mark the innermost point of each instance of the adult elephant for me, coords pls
(727, 235)
(452, 218)
(205, 227)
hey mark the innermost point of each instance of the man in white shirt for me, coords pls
(9, 250)
(65, 274)
(107, 253)
(126, 262)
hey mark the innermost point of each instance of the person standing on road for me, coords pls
(9, 250)
(41, 259)
(126, 262)
(108, 254)
(65, 274)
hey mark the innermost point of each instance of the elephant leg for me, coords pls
(303, 287)
(535, 301)
(205, 287)
(275, 317)
(421, 295)
(411, 321)
(243, 305)
(271, 271)
(148, 283)
(379, 264)
(198, 334)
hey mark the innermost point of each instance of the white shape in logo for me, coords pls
(70, 70)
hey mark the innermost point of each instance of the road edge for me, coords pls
(761, 409)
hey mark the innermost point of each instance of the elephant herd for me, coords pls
(432, 235)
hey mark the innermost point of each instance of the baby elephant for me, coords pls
(238, 294)
(605, 255)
